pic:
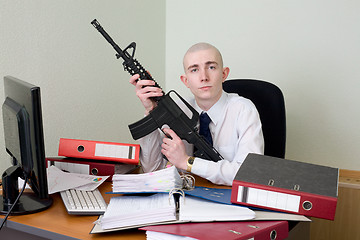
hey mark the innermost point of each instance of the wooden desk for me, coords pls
(56, 223)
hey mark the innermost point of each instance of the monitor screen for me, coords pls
(24, 140)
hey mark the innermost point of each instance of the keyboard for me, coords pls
(83, 202)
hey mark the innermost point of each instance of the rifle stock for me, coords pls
(167, 112)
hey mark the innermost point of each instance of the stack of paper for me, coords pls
(159, 181)
(128, 211)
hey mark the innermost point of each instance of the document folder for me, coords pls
(110, 151)
(90, 167)
(257, 230)
(286, 186)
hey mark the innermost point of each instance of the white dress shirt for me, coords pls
(236, 131)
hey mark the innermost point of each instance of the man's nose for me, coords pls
(204, 75)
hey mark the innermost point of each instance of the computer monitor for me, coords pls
(24, 142)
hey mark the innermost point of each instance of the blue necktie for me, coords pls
(204, 127)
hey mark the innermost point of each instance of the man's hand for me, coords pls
(174, 149)
(144, 90)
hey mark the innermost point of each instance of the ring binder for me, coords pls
(255, 230)
(176, 198)
(286, 186)
(90, 166)
(188, 181)
(131, 211)
(104, 151)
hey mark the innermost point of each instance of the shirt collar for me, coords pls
(215, 112)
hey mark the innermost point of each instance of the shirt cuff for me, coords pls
(200, 167)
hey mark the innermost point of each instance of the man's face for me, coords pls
(204, 74)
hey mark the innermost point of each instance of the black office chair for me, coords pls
(270, 104)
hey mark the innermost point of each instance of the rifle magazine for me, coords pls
(143, 127)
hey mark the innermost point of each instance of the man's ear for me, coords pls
(184, 80)
(225, 74)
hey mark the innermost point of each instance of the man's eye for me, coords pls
(193, 70)
(212, 67)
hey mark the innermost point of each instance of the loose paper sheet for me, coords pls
(61, 181)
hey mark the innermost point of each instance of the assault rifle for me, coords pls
(167, 112)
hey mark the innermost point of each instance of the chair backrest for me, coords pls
(270, 104)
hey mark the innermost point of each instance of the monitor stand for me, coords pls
(28, 203)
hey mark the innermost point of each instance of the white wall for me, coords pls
(310, 49)
(85, 91)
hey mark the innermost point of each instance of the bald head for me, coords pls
(200, 47)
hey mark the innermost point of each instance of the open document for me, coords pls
(134, 211)
(59, 180)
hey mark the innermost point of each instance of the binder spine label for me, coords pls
(70, 167)
(114, 151)
(266, 198)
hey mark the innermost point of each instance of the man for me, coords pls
(235, 124)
